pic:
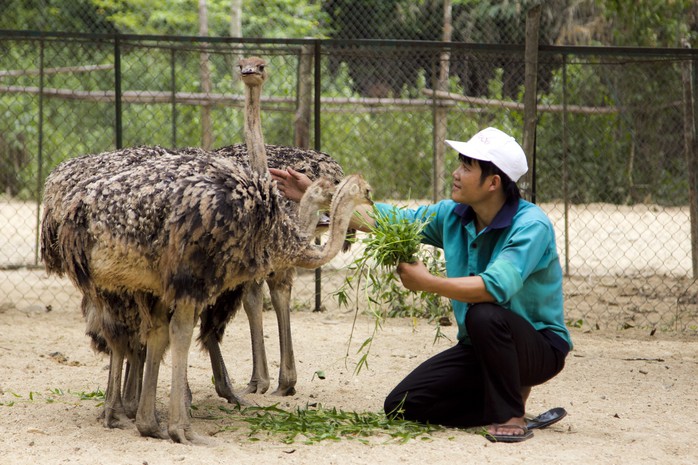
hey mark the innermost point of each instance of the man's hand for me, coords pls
(414, 276)
(290, 182)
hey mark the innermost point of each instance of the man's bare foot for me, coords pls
(513, 430)
(515, 426)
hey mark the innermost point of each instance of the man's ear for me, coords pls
(495, 182)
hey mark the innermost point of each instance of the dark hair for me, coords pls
(487, 168)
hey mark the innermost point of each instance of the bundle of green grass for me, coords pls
(393, 240)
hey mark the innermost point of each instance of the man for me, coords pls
(505, 284)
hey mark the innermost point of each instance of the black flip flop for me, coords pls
(546, 419)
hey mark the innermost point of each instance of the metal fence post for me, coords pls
(317, 143)
(690, 130)
(173, 79)
(692, 166)
(40, 161)
(565, 167)
(118, 124)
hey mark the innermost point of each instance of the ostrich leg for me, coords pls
(213, 322)
(132, 382)
(253, 303)
(181, 332)
(221, 379)
(280, 285)
(157, 341)
(113, 408)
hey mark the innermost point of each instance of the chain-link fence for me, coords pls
(481, 22)
(612, 164)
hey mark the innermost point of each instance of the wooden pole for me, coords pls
(205, 73)
(236, 31)
(527, 183)
(440, 111)
(305, 98)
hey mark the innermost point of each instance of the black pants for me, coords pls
(478, 384)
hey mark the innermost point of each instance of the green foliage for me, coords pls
(393, 149)
(54, 395)
(392, 241)
(315, 424)
(155, 16)
(652, 23)
(270, 19)
(625, 157)
(283, 19)
(54, 15)
(622, 157)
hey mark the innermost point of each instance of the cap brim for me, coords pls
(468, 150)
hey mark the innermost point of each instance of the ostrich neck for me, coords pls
(307, 216)
(254, 139)
(314, 256)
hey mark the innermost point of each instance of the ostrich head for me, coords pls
(253, 71)
(350, 193)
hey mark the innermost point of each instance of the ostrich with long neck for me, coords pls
(261, 156)
(184, 228)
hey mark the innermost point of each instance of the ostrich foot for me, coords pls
(238, 400)
(131, 408)
(150, 428)
(114, 418)
(184, 434)
(226, 392)
(284, 391)
(257, 387)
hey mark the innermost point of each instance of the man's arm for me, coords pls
(292, 184)
(470, 289)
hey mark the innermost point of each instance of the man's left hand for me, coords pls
(414, 276)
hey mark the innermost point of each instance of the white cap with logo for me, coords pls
(497, 147)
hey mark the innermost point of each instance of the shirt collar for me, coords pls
(501, 220)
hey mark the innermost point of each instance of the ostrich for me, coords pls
(315, 164)
(176, 226)
(113, 318)
(260, 157)
(124, 336)
(116, 331)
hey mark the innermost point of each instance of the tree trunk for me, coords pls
(236, 18)
(531, 100)
(441, 112)
(305, 98)
(206, 127)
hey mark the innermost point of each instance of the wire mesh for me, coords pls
(610, 159)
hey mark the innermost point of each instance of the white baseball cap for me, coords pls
(497, 147)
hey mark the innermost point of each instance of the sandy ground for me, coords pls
(630, 399)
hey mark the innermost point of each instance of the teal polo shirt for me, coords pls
(515, 255)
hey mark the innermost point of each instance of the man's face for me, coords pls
(467, 187)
